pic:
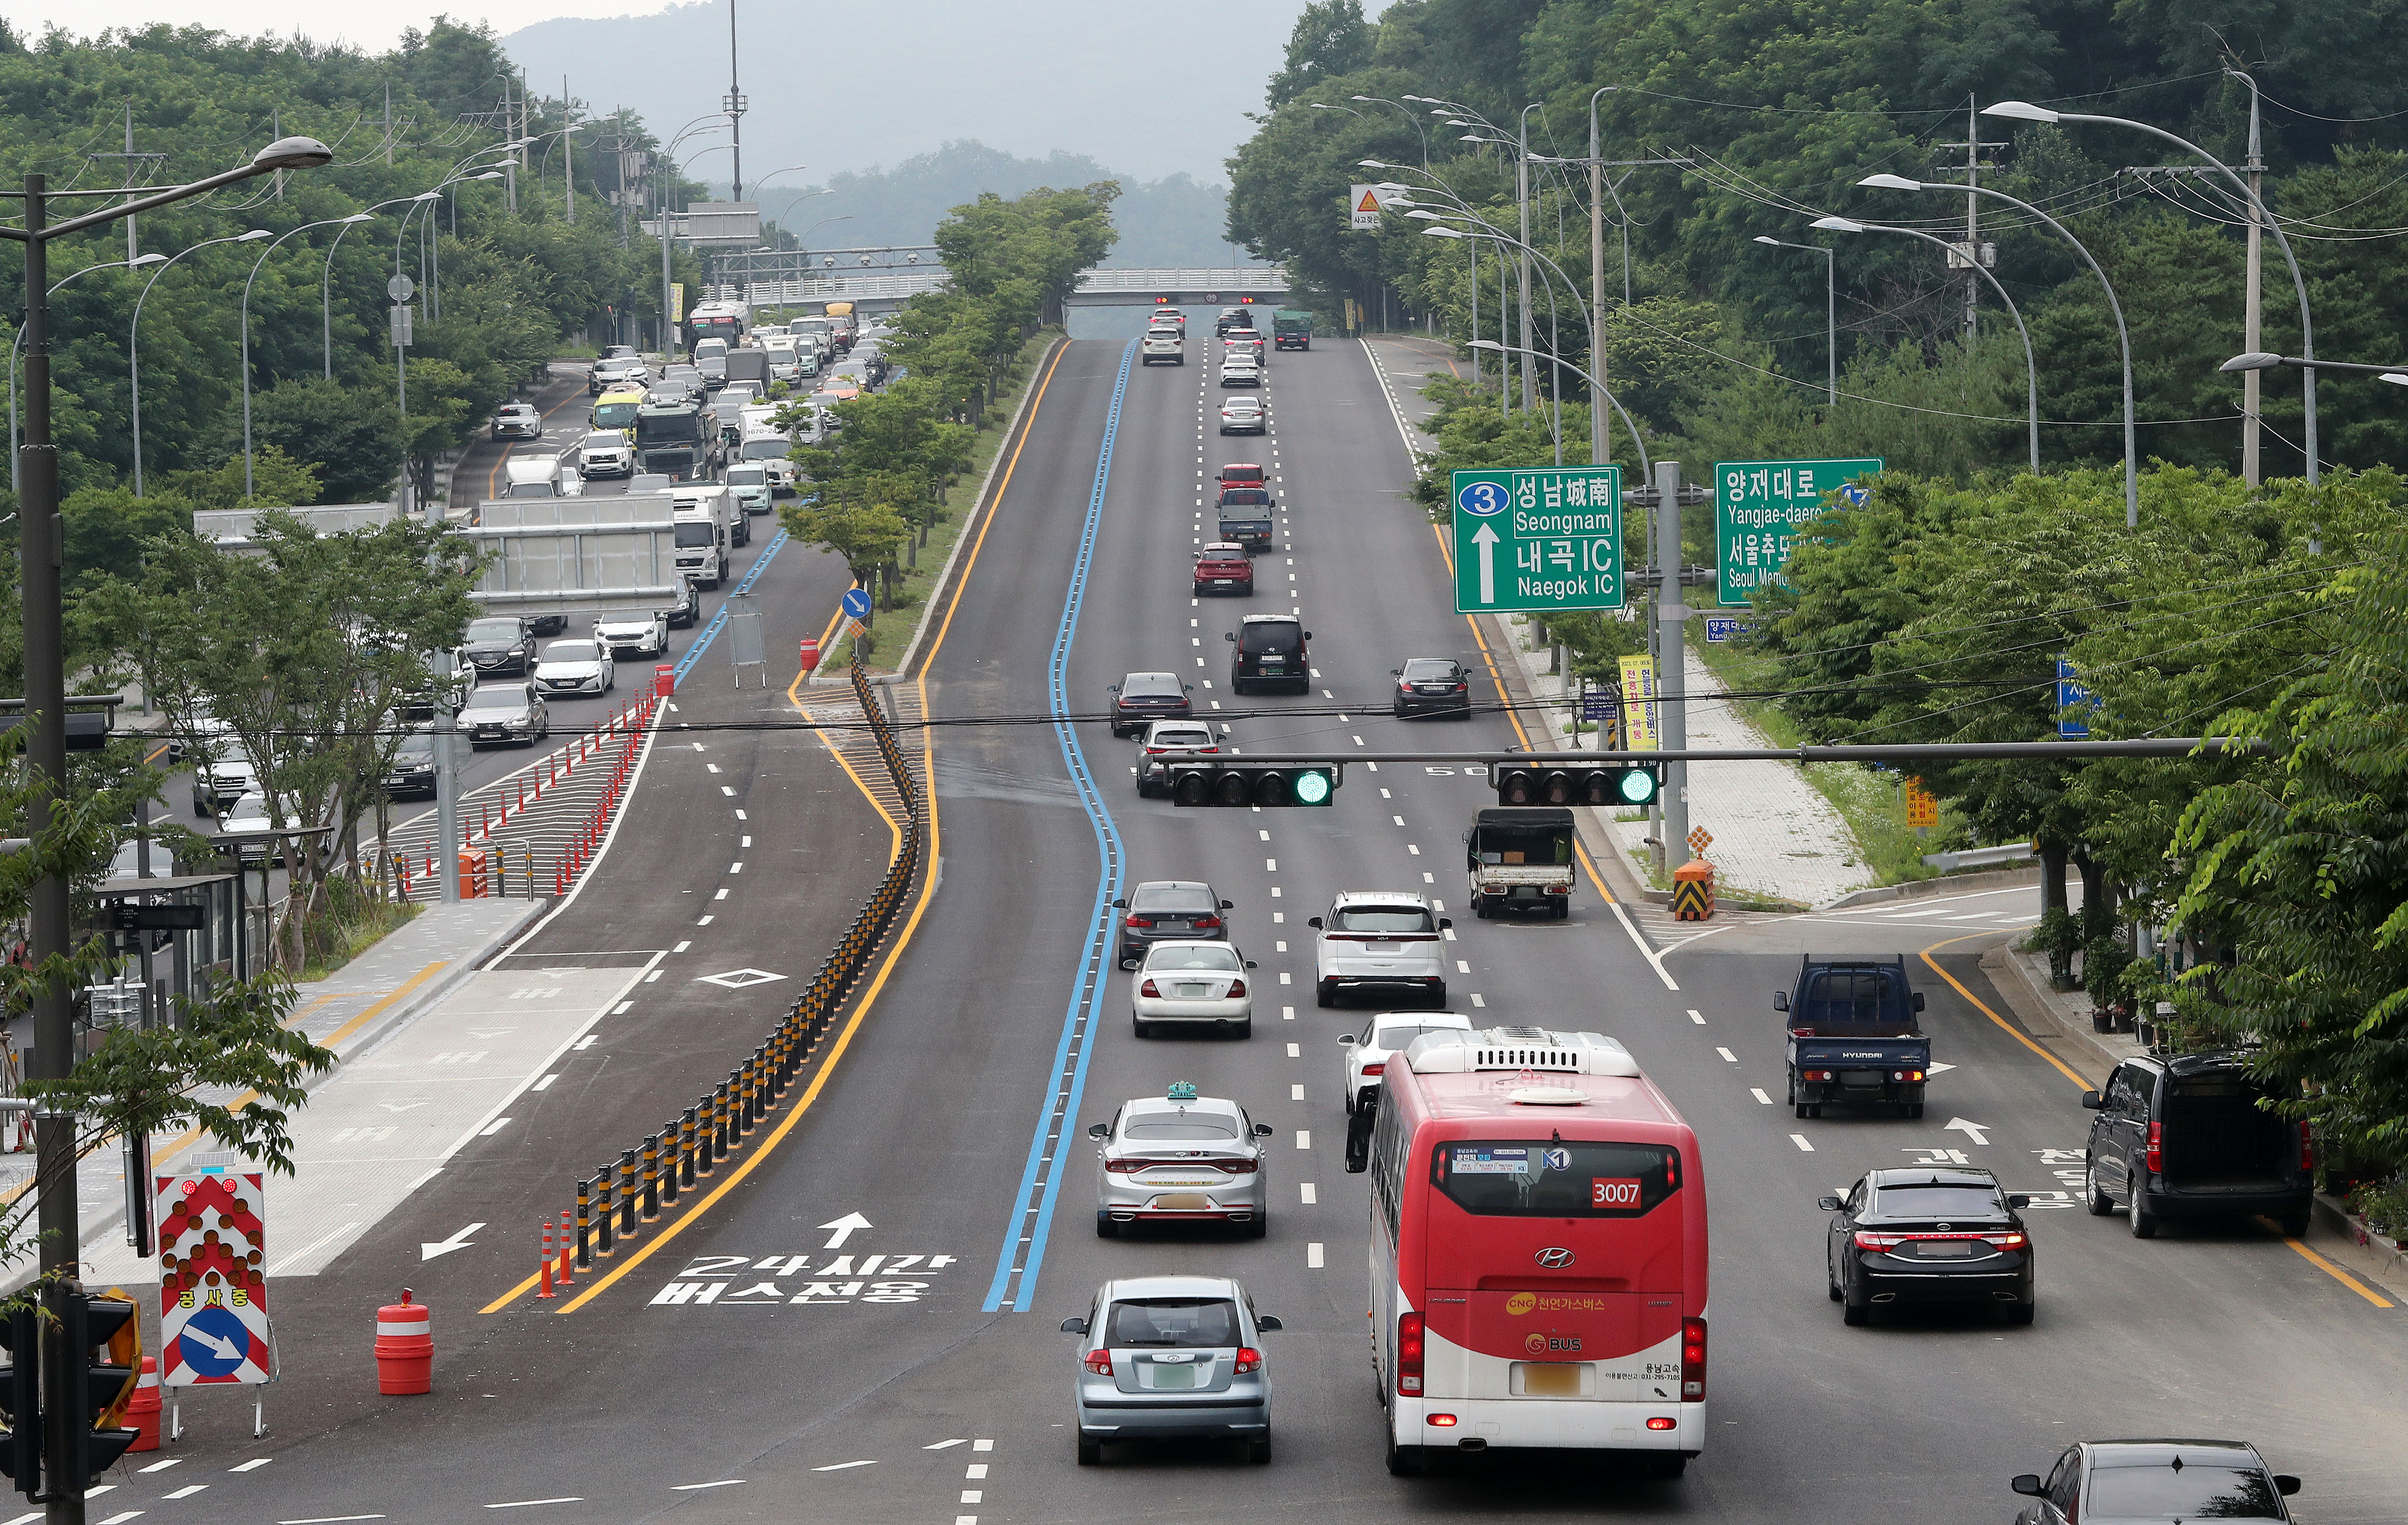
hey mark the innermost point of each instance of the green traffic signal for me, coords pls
(1572, 782)
(1262, 785)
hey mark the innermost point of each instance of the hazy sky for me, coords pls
(1150, 88)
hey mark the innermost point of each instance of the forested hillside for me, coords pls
(1780, 108)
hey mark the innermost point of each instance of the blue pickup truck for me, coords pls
(1852, 1035)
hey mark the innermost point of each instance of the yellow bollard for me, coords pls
(1693, 891)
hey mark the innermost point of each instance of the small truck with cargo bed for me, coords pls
(1520, 858)
(1291, 330)
(1853, 1036)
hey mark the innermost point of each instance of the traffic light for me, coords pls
(103, 1356)
(21, 1449)
(1574, 783)
(1269, 785)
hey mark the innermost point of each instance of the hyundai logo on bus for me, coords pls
(1554, 1257)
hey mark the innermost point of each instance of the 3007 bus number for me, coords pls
(1613, 1191)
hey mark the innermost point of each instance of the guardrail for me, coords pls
(1980, 858)
(617, 1200)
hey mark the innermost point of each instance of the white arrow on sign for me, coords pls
(845, 1227)
(1978, 1132)
(1485, 538)
(223, 1349)
(457, 1241)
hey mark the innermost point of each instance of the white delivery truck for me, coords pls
(701, 547)
(766, 445)
(542, 476)
(718, 500)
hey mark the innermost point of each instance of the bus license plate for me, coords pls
(1549, 1379)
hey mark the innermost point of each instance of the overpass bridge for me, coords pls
(876, 284)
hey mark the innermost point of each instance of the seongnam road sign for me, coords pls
(1545, 539)
(1758, 506)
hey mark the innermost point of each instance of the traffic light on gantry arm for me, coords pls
(1553, 782)
(1268, 784)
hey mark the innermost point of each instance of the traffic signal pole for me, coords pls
(1671, 676)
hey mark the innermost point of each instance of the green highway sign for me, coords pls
(1758, 506)
(1545, 539)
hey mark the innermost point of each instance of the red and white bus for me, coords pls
(1537, 1251)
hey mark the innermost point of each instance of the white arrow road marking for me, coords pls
(457, 1241)
(1978, 1132)
(845, 1227)
(1485, 538)
(1937, 1069)
(399, 1106)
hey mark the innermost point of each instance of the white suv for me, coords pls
(1380, 941)
(1163, 344)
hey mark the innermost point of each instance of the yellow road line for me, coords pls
(2337, 1273)
(2004, 1025)
(895, 953)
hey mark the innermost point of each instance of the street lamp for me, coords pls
(1830, 305)
(326, 223)
(1472, 254)
(143, 260)
(2262, 360)
(134, 336)
(2123, 334)
(1647, 468)
(1436, 231)
(2031, 367)
(60, 1230)
(1409, 116)
(2025, 111)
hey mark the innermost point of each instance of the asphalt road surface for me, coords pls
(863, 1327)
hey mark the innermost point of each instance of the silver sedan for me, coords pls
(1180, 1158)
(1191, 983)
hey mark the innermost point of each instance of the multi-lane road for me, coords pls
(862, 1326)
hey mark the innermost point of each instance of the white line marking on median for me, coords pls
(493, 1128)
(945, 1444)
(529, 1504)
(689, 1488)
(1294, 1093)
(251, 1465)
(545, 1084)
(1304, 1137)
(187, 1491)
(1800, 1140)
(1312, 1256)
(157, 1466)
(843, 1466)
(1758, 1091)
(1294, 1052)
(1698, 1017)
(1729, 1057)
(1310, 1197)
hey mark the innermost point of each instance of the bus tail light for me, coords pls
(2307, 1150)
(1693, 1360)
(1248, 1360)
(2157, 1147)
(1442, 1421)
(1101, 1363)
(1409, 1355)
(1660, 1422)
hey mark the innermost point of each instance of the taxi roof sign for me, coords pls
(1182, 1090)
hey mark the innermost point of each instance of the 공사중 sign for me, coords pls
(1545, 539)
(1758, 506)
(214, 1324)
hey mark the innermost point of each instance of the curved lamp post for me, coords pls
(15, 345)
(2123, 334)
(134, 336)
(1646, 468)
(2032, 368)
(2025, 111)
(1435, 231)
(324, 223)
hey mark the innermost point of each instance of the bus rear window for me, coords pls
(1533, 1178)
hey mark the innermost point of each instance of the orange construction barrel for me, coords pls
(142, 1409)
(405, 1347)
(665, 681)
(1693, 891)
(472, 873)
(810, 655)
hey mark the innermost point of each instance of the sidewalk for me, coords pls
(401, 988)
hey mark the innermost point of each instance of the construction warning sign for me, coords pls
(212, 1279)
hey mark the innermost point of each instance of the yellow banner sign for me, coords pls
(1639, 704)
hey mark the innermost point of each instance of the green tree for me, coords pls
(348, 438)
(868, 535)
(1330, 39)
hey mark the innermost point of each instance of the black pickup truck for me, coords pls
(1852, 1035)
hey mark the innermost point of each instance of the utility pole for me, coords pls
(147, 161)
(1671, 675)
(388, 124)
(735, 105)
(2252, 465)
(1522, 195)
(568, 148)
(1970, 250)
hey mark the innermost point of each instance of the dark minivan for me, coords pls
(2187, 1137)
(1271, 649)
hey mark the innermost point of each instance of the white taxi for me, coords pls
(1180, 1158)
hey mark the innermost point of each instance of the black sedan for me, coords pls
(500, 645)
(1142, 698)
(1927, 1235)
(2156, 1480)
(1428, 685)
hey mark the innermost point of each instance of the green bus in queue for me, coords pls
(1291, 330)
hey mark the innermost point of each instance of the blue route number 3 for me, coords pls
(1482, 498)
